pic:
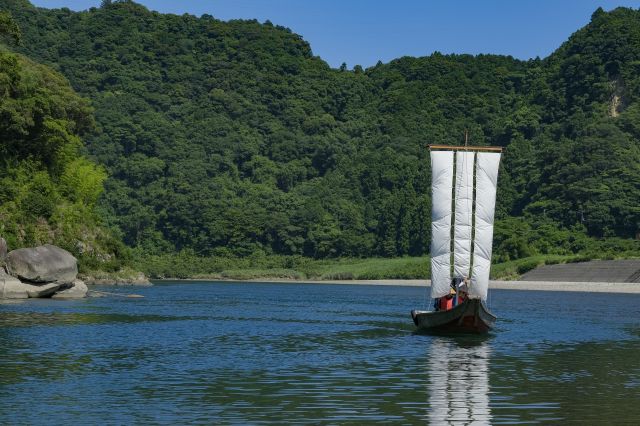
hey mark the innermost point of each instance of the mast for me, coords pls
(465, 148)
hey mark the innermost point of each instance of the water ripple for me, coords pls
(273, 354)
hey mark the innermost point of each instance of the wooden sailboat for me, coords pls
(463, 185)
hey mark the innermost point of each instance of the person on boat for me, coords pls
(463, 290)
(455, 290)
(445, 303)
(457, 294)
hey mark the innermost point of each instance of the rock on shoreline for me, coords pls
(44, 264)
(78, 291)
(44, 271)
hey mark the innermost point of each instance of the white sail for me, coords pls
(487, 164)
(463, 214)
(441, 193)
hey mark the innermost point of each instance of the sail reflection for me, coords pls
(458, 383)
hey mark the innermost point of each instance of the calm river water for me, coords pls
(245, 353)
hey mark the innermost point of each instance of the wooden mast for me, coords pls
(468, 148)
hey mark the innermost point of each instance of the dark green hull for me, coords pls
(471, 316)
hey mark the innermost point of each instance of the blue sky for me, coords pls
(365, 31)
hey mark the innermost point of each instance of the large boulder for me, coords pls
(77, 291)
(13, 288)
(44, 264)
(44, 290)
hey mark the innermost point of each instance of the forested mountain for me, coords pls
(48, 190)
(232, 138)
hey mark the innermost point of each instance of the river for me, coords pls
(256, 353)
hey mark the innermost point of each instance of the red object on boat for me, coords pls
(446, 303)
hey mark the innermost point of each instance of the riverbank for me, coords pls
(123, 277)
(297, 268)
(590, 287)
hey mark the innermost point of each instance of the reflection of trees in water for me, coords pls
(458, 383)
(592, 382)
(28, 319)
(21, 360)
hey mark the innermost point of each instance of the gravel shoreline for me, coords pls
(594, 287)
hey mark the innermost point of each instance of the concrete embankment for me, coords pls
(596, 287)
(608, 271)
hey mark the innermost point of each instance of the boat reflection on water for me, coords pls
(458, 382)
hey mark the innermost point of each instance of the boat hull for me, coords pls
(471, 316)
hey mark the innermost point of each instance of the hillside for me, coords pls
(48, 189)
(232, 138)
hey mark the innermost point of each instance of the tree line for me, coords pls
(234, 139)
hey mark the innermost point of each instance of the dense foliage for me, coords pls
(48, 190)
(232, 138)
